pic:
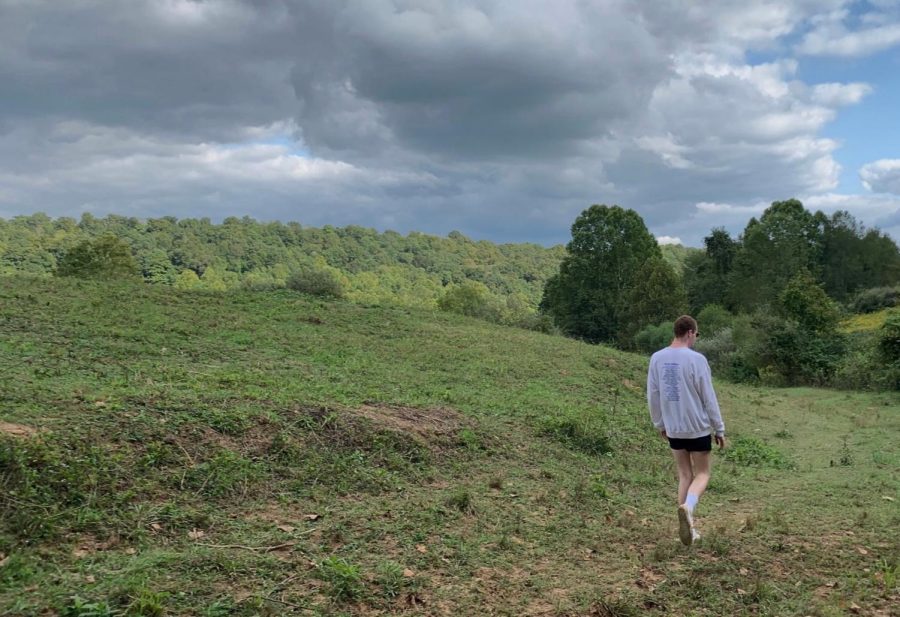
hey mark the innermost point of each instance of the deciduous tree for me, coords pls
(587, 297)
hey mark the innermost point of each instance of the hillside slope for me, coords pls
(269, 453)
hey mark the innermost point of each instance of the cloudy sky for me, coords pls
(501, 119)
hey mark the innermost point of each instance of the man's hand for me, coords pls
(662, 434)
(720, 441)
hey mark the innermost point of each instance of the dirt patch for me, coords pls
(17, 430)
(631, 385)
(428, 426)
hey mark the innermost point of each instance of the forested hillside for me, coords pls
(412, 270)
(771, 300)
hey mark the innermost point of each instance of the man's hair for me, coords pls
(685, 324)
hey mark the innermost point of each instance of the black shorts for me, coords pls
(700, 444)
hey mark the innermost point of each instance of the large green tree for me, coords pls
(706, 273)
(587, 298)
(786, 239)
(856, 258)
(656, 296)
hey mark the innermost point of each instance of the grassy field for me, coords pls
(273, 454)
(867, 322)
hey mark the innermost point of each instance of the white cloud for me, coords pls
(879, 210)
(841, 33)
(714, 208)
(882, 176)
(663, 240)
(839, 95)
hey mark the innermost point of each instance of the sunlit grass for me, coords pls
(270, 453)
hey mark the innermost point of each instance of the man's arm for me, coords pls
(653, 398)
(710, 402)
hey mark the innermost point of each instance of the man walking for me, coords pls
(685, 411)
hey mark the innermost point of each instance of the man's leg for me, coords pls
(685, 478)
(685, 473)
(700, 465)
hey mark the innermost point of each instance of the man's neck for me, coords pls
(679, 343)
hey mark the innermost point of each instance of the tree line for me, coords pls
(503, 282)
(770, 301)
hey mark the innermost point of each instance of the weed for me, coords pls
(759, 592)
(389, 576)
(784, 433)
(55, 480)
(343, 578)
(220, 608)
(612, 608)
(462, 501)
(753, 452)
(598, 487)
(286, 449)
(504, 543)
(887, 571)
(749, 523)
(496, 483)
(227, 421)
(146, 603)
(79, 607)
(16, 570)
(470, 440)
(846, 459)
(578, 435)
(717, 543)
(663, 551)
(226, 473)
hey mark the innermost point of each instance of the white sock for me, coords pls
(691, 502)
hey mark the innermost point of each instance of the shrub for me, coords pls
(317, 281)
(539, 322)
(726, 357)
(470, 298)
(106, 257)
(653, 338)
(889, 338)
(784, 351)
(805, 301)
(864, 365)
(718, 348)
(875, 299)
(713, 319)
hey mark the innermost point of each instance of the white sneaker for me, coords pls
(685, 525)
(695, 535)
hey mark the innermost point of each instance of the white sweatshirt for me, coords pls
(681, 396)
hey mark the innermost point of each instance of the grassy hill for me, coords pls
(168, 453)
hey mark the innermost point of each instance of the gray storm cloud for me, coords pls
(500, 119)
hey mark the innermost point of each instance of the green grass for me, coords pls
(866, 322)
(270, 453)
